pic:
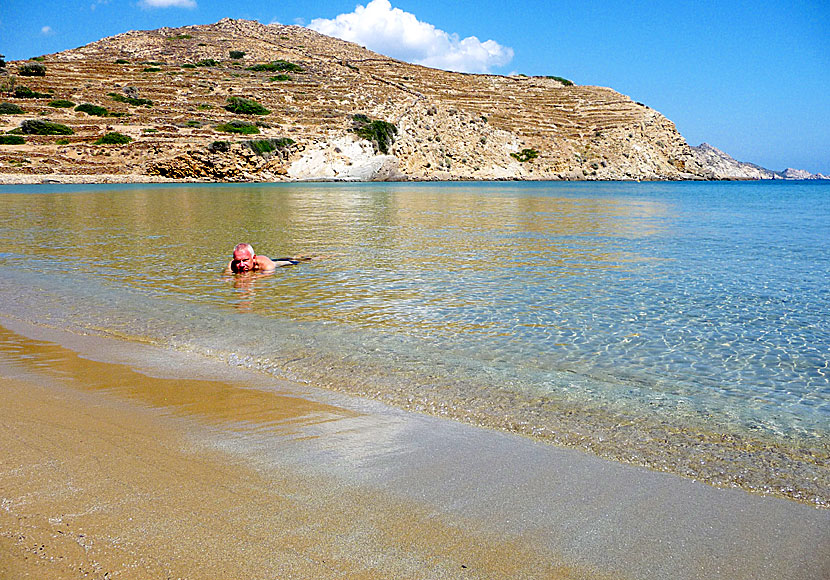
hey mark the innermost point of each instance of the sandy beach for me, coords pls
(129, 462)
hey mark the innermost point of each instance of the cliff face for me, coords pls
(449, 125)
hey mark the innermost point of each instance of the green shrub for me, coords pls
(525, 155)
(189, 65)
(203, 106)
(238, 127)
(237, 54)
(27, 93)
(114, 138)
(380, 133)
(260, 146)
(130, 100)
(179, 37)
(151, 69)
(94, 110)
(208, 62)
(242, 106)
(62, 142)
(38, 58)
(564, 81)
(122, 61)
(266, 146)
(10, 109)
(31, 69)
(11, 140)
(280, 78)
(38, 127)
(219, 147)
(276, 66)
(61, 104)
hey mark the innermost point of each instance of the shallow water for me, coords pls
(648, 310)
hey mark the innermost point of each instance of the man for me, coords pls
(245, 260)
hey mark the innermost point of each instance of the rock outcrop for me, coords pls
(449, 125)
(719, 165)
(344, 159)
(790, 173)
(723, 166)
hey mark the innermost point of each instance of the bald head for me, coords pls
(243, 258)
(243, 248)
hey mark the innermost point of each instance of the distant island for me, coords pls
(239, 101)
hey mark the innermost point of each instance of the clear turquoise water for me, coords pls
(692, 304)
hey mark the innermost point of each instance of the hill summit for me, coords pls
(241, 101)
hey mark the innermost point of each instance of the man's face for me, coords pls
(244, 260)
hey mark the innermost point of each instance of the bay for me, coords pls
(665, 324)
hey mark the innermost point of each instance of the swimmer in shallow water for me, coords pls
(245, 260)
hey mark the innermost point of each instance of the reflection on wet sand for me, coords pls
(92, 488)
(217, 402)
(96, 486)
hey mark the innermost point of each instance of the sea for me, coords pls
(683, 326)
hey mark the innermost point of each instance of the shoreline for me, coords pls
(704, 444)
(690, 447)
(62, 178)
(227, 472)
(125, 179)
(135, 178)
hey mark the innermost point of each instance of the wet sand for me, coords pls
(125, 461)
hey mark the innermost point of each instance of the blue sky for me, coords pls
(751, 78)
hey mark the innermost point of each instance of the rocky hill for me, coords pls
(330, 110)
(724, 166)
(791, 173)
(720, 165)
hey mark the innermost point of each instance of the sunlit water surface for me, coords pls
(702, 305)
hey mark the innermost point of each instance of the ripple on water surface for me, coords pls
(682, 326)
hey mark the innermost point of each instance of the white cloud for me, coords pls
(167, 3)
(47, 31)
(399, 34)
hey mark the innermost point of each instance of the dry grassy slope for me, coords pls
(450, 125)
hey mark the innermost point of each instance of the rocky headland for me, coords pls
(721, 165)
(242, 101)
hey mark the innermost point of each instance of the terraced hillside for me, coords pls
(174, 93)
